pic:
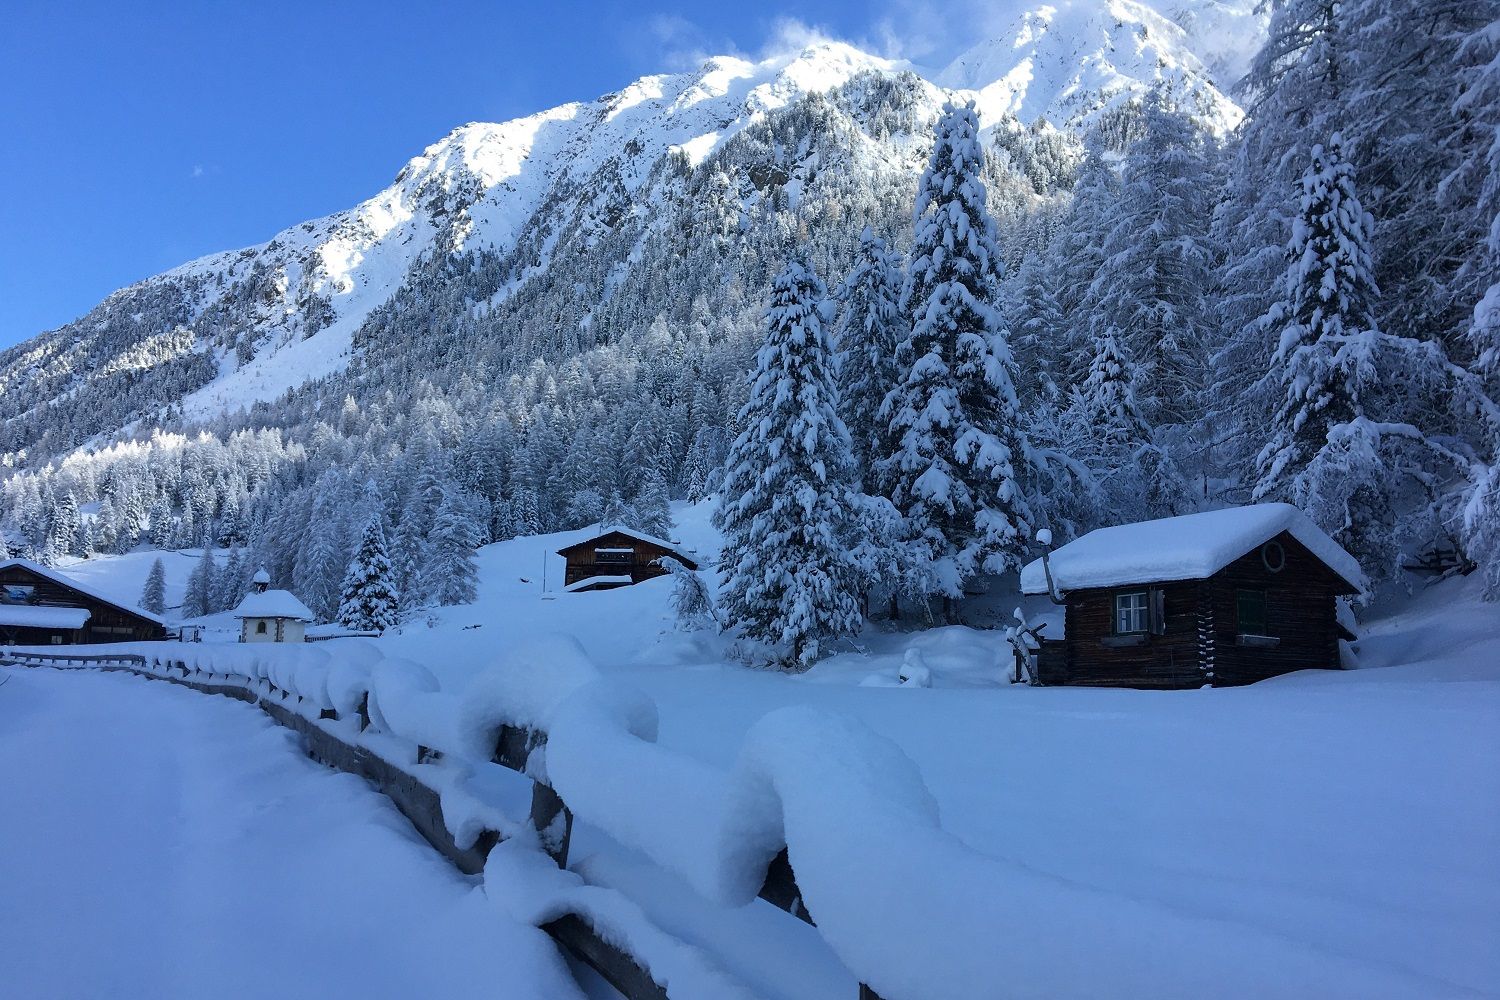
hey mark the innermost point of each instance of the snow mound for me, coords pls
(1190, 547)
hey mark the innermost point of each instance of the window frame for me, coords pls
(1240, 624)
(260, 628)
(1143, 610)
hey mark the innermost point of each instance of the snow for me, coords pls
(81, 587)
(1324, 833)
(29, 616)
(492, 186)
(595, 581)
(163, 844)
(1190, 547)
(273, 604)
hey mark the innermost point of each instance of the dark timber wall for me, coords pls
(1200, 641)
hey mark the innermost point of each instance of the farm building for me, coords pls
(268, 615)
(617, 558)
(40, 606)
(1219, 598)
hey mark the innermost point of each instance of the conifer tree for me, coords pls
(154, 594)
(1344, 441)
(369, 599)
(451, 575)
(199, 598)
(868, 332)
(785, 507)
(960, 456)
(650, 512)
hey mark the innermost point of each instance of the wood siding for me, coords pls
(106, 623)
(1300, 614)
(1201, 641)
(584, 562)
(1167, 660)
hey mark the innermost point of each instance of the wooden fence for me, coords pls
(421, 804)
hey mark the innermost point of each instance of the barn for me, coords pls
(617, 557)
(40, 606)
(1218, 598)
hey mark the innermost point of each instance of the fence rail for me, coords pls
(417, 801)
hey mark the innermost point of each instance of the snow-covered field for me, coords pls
(1347, 818)
(157, 843)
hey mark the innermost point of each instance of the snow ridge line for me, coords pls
(596, 927)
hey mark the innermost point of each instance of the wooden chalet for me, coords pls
(618, 557)
(40, 607)
(1219, 598)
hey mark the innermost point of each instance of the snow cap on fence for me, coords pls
(522, 688)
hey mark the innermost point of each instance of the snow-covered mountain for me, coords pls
(243, 326)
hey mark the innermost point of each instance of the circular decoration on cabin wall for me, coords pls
(1273, 556)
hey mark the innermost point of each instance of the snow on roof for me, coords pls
(639, 536)
(1190, 547)
(273, 604)
(41, 616)
(68, 581)
(261, 576)
(594, 581)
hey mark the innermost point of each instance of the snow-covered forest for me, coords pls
(991, 328)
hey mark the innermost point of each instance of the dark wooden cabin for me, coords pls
(41, 607)
(618, 557)
(1220, 598)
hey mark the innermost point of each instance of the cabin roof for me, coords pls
(1189, 547)
(42, 616)
(72, 584)
(273, 604)
(593, 540)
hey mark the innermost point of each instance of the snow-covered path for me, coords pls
(158, 843)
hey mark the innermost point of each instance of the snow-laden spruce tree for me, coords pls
(785, 501)
(368, 601)
(199, 598)
(1345, 443)
(451, 575)
(154, 594)
(1152, 284)
(1138, 478)
(691, 601)
(960, 454)
(227, 592)
(870, 327)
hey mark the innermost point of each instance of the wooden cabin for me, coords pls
(41, 607)
(1220, 598)
(618, 557)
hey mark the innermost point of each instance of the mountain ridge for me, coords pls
(239, 327)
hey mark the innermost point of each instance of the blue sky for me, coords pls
(137, 136)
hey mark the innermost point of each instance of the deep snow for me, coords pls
(157, 843)
(1351, 815)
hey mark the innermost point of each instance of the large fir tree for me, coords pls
(154, 594)
(369, 600)
(785, 505)
(869, 329)
(960, 454)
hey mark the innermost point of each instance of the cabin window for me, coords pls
(1132, 612)
(1250, 611)
(260, 628)
(614, 556)
(17, 593)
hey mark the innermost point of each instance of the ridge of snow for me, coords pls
(482, 186)
(1071, 59)
(1189, 547)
